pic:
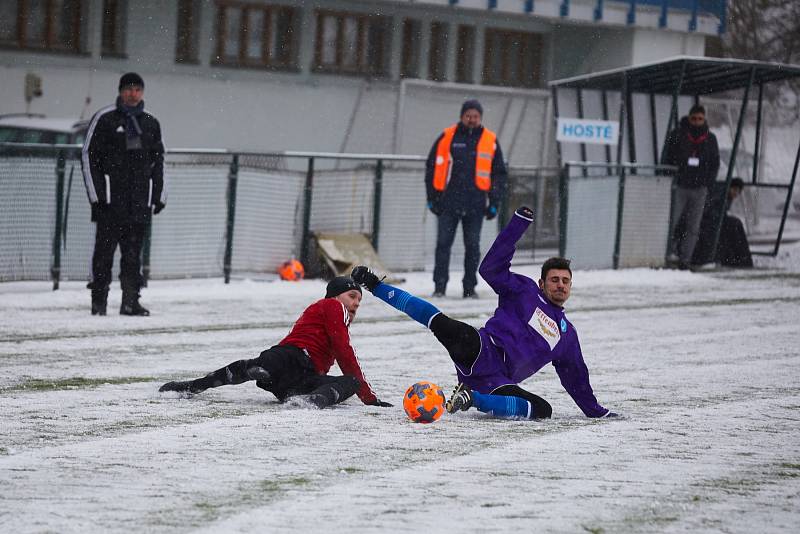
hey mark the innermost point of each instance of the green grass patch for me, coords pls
(76, 382)
(280, 485)
(789, 470)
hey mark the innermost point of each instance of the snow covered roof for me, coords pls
(67, 125)
(693, 75)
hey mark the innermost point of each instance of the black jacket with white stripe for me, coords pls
(121, 183)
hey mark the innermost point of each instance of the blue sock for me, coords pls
(420, 310)
(502, 405)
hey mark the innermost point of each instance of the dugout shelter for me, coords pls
(615, 201)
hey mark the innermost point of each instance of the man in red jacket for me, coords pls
(298, 365)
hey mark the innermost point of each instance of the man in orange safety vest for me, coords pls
(465, 180)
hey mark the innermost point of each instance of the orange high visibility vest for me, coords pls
(487, 144)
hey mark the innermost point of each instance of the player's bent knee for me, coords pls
(350, 385)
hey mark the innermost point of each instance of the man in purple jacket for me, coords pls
(528, 331)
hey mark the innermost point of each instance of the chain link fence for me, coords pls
(228, 214)
(243, 214)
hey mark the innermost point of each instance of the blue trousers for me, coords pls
(471, 228)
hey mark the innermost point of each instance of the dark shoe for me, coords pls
(470, 294)
(180, 387)
(438, 294)
(99, 301)
(313, 400)
(683, 266)
(460, 400)
(134, 308)
(364, 277)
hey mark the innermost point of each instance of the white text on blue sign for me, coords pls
(587, 131)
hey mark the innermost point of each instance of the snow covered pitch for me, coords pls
(704, 367)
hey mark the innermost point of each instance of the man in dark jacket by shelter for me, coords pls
(123, 170)
(465, 177)
(693, 149)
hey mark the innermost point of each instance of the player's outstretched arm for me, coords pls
(496, 265)
(574, 376)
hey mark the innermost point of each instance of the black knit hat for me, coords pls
(130, 78)
(339, 285)
(471, 104)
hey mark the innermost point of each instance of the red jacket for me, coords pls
(322, 331)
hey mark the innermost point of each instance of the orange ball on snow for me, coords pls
(424, 402)
(292, 270)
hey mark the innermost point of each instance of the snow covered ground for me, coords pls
(704, 367)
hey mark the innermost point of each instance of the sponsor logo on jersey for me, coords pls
(563, 325)
(545, 327)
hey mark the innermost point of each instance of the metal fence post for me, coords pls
(233, 176)
(620, 213)
(304, 246)
(534, 224)
(502, 209)
(55, 267)
(673, 192)
(376, 204)
(563, 204)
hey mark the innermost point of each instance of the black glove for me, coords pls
(525, 211)
(158, 207)
(378, 402)
(491, 212)
(435, 208)
(99, 208)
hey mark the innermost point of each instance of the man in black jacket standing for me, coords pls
(123, 170)
(693, 149)
(465, 177)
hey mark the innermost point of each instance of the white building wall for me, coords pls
(648, 45)
(247, 109)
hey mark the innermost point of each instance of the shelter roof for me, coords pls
(696, 75)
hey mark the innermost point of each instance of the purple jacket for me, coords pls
(527, 331)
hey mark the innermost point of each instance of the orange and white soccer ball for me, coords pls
(424, 402)
(292, 270)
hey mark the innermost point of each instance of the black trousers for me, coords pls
(446, 233)
(130, 237)
(284, 371)
(463, 343)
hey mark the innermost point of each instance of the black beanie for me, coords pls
(339, 285)
(471, 104)
(130, 78)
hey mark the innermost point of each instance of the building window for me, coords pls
(114, 21)
(465, 54)
(349, 43)
(188, 31)
(409, 61)
(53, 25)
(255, 35)
(437, 59)
(512, 58)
